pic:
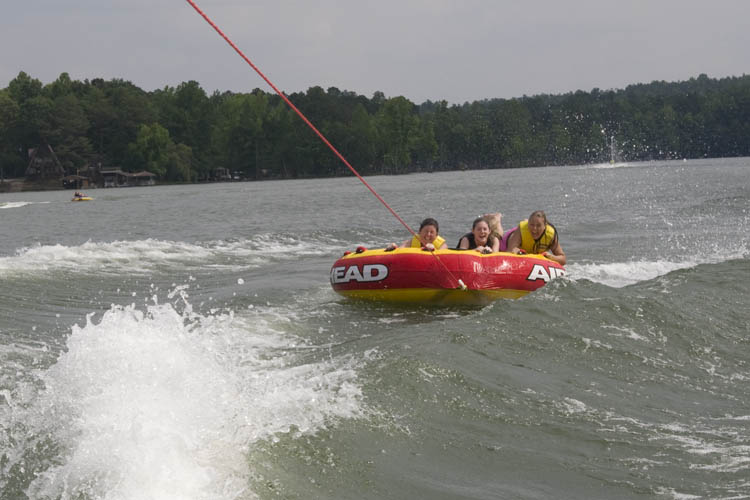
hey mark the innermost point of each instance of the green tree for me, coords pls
(396, 124)
(151, 148)
(187, 113)
(132, 108)
(67, 132)
(35, 112)
(23, 87)
(61, 87)
(178, 163)
(423, 146)
(238, 134)
(102, 118)
(36, 120)
(514, 130)
(361, 151)
(11, 160)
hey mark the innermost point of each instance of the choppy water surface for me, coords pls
(184, 342)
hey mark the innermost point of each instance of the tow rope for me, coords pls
(317, 132)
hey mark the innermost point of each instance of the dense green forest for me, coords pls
(183, 134)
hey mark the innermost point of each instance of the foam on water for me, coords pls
(19, 204)
(167, 404)
(608, 165)
(621, 274)
(141, 256)
(132, 255)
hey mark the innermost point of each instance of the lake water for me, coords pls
(183, 342)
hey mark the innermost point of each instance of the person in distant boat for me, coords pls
(536, 235)
(427, 238)
(479, 238)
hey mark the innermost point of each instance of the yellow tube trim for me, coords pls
(438, 296)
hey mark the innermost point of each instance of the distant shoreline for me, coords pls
(19, 185)
(181, 134)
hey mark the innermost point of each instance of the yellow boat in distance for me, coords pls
(83, 198)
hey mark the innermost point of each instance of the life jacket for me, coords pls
(472, 242)
(417, 243)
(544, 243)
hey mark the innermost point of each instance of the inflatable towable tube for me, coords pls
(417, 276)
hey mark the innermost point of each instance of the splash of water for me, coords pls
(145, 255)
(621, 274)
(167, 404)
(19, 204)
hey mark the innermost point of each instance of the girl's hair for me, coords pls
(539, 213)
(478, 220)
(494, 221)
(429, 221)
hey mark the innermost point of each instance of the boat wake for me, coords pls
(168, 403)
(143, 256)
(622, 274)
(610, 165)
(19, 204)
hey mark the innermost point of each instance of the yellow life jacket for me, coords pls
(529, 245)
(416, 243)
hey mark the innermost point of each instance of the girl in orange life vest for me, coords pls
(479, 238)
(537, 236)
(427, 239)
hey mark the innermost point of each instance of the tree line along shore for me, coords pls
(182, 134)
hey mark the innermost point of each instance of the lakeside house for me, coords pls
(115, 177)
(45, 170)
(76, 182)
(43, 164)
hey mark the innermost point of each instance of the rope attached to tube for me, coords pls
(317, 132)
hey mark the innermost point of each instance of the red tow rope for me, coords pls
(314, 129)
(304, 118)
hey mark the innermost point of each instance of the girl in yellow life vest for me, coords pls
(427, 238)
(537, 236)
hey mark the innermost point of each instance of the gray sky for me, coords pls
(461, 50)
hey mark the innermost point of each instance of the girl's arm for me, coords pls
(514, 241)
(495, 245)
(557, 254)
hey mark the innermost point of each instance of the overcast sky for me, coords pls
(461, 50)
